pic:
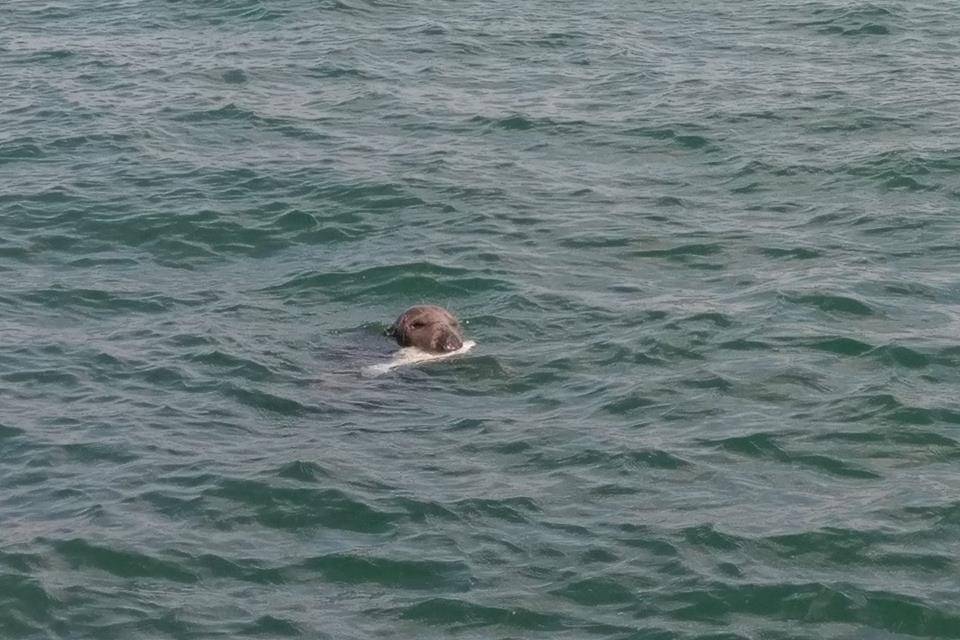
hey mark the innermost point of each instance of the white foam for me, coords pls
(413, 355)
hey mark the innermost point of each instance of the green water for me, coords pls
(710, 256)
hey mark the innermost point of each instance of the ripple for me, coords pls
(620, 460)
(234, 76)
(642, 537)
(508, 509)
(236, 366)
(901, 356)
(17, 150)
(914, 437)
(304, 472)
(271, 626)
(796, 253)
(27, 608)
(684, 140)
(94, 452)
(810, 602)
(746, 345)
(21, 562)
(628, 404)
(226, 112)
(9, 433)
(761, 445)
(45, 377)
(417, 575)
(370, 196)
(922, 415)
(300, 507)
(450, 611)
(597, 591)
(682, 251)
(832, 303)
(63, 298)
(78, 552)
(246, 570)
(332, 71)
(414, 281)
(887, 408)
(596, 242)
(851, 547)
(266, 401)
(839, 345)
(519, 122)
(708, 536)
(944, 515)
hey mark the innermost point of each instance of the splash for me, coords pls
(413, 355)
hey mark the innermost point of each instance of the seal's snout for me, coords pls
(452, 343)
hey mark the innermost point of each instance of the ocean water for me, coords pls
(709, 253)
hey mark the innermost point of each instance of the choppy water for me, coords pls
(710, 256)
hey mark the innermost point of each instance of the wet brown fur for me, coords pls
(427, 327)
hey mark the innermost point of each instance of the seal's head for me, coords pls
(429, 328)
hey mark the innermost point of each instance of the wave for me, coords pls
(79, 552)
(764, 446)
(293, 508)
(418, 575)
(411, 281)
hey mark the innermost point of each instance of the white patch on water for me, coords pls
(413, 355)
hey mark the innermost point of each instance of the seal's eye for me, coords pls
(418, 324)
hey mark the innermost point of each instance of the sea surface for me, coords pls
(709, 253)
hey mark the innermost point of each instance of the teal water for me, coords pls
(710, 256)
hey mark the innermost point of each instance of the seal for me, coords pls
(429, 328)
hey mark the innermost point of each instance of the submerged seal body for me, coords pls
(429, 328)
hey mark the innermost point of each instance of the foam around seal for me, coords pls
(413, 355)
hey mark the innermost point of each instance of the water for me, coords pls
(709, 256)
